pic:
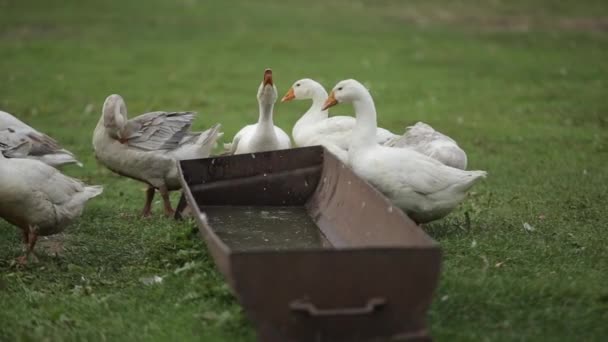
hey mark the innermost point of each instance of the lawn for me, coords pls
(521, 85)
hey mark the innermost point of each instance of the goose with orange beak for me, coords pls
(263, 135)
(421, 186)
(330, 102)
(315, 127)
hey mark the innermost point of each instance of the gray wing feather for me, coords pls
(19, 150)
(41, 144)
(158, 130)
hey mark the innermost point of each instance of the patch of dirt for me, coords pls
(585, 24)
(31, 32)
(495, 22)
(52, 245)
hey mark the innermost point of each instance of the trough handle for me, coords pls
(308, 307)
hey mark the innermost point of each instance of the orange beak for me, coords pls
(289, 96)
(330, 102)
(267, 77)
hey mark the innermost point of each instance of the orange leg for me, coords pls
(147, 211)
(26, 235)
(32, 237)
(166, 201)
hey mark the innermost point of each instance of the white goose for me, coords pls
(147, 147)
(264, 135)
(37, 197)
(315, 127)
(422, 186)
(426, 140)
(43, 148)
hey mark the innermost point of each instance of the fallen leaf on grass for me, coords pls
(187, 267)
(190, 296)
(528, 227)
(486, 263)
(80, 290)
(89, 108)
(187, 253)
(151, 280)
(209, 316)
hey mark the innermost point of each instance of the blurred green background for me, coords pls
(521, 85)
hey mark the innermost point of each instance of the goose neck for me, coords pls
(265, 118)
(319, 95)
(315, 113)
(364, 134)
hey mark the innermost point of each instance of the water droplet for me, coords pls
(265, 175)
(363, 205)
(306, 183)
(390, 209)
(253, 156)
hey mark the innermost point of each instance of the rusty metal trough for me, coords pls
(311, 251)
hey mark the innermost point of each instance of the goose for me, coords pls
(421, 186)
(38, 198)
(264, 135)
(43, 147)
(426, 140)
(148, 147)
(315, 127)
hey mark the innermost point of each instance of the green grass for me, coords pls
(522, 85)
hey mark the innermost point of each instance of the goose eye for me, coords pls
(340, 88)
(297, 84)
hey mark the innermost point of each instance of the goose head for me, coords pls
(114, 114)
(303, 89)
(347, 91)
(267, 92)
